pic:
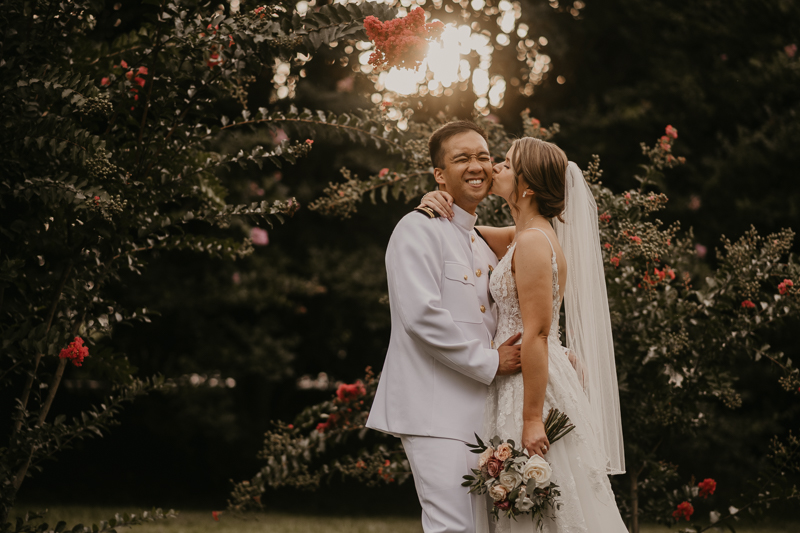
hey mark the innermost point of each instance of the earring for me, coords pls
(524, 194)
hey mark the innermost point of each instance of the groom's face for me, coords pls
(467, 172)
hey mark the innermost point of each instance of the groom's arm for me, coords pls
(414, 264)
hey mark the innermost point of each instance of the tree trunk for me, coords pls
(633, 527)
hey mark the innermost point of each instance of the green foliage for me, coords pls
(30, 523)
(109, 156)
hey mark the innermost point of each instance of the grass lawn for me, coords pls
(202, 522)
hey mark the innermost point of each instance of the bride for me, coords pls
(552, 254)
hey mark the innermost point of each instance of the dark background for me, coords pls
(310, 301)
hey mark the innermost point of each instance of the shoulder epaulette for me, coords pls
(427, 211)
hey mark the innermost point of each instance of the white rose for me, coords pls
(509, 479)
(485, 456)
(537, 469)
(498, 492)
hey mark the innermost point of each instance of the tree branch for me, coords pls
(51, 313)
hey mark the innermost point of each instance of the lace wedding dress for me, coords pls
(588, 504)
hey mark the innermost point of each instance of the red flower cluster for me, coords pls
(707, 487)
(667, 272)
(684, 510)
(747, 304)
(665, 143)
(347, 392)
(636, 240)
(401, 42)
(785, 285)
(215, 515)
(672, 132)
(605, 217)
(75, 352)
(324, 426)
(615, 260)
(132, 75)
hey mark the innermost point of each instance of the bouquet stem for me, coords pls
(557, 425)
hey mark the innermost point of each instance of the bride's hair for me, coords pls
(543, 167)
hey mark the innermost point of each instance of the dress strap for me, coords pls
(552, 250)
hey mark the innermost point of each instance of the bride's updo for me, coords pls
(543, 167)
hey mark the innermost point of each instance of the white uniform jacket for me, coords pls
(440, 359)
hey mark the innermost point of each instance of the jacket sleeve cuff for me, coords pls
(489, 370)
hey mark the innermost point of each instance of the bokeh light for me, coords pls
(460, 61)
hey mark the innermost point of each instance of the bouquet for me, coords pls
(518, 484)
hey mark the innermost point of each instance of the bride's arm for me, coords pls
(498, 239)
(534, 278)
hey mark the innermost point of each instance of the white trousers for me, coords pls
(438, 466)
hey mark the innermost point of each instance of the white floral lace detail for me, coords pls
(577, 468)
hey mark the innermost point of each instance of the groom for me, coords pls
(441, 356)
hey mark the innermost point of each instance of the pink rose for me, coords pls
(487, 454)
(503, 452)
(494, 466)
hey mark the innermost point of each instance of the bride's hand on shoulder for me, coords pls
(534, 438)
(440, 202)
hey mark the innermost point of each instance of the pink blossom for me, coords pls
(790, 49)
(123, 64)
(701, 250)
(345, 85)
(672, 132)
(747, 304)
(259, 237)
(105, 82)
(785, 285)
(383, 172)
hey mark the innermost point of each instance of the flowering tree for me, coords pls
(676, 334)
(109, 155)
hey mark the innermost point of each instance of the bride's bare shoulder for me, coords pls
(531, 252)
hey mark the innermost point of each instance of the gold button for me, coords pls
(473, 238)
(478, 272)
(491, 269)
(465, 278)
(483, 309)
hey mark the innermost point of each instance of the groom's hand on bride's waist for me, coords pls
(509, 356)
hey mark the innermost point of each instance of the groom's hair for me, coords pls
(445, 132)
